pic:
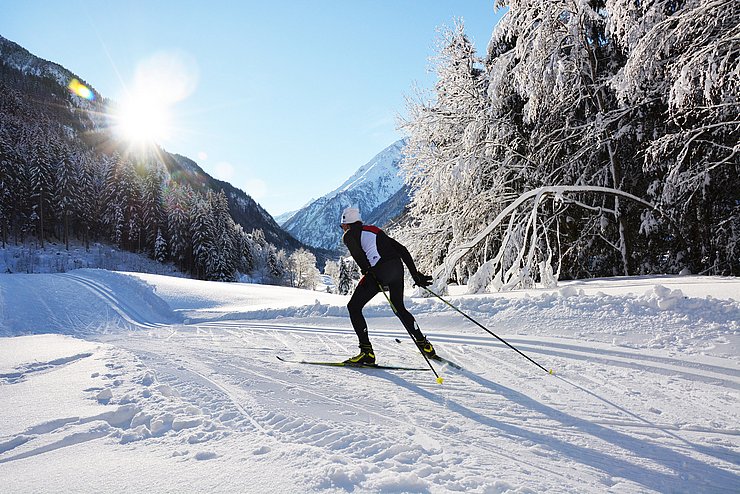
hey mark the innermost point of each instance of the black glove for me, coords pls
(370, 273)
(421, 280)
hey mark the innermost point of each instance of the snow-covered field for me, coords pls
(116, 382)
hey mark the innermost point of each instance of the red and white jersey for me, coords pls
(369, 243)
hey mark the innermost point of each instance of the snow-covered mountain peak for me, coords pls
(371, 186)
(383, 168)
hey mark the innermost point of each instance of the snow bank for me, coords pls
(660, 312)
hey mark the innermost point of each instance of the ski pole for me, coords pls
(489, 331)
(439, 378)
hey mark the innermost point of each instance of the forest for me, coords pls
(593, 138)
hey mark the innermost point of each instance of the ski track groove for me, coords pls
(128, 313)
(485, 449)
(710, 374)
(20, 373)
(174, 369)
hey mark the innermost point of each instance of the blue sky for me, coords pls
(284, 99)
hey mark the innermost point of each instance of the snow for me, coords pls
(118, 381)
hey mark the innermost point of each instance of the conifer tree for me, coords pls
(178, 200)
(42, 181)
(202, 232)
(67, 190)
(225, 256)
(347, 275)
(160, 247)
(152, 204)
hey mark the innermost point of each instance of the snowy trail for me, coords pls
(519, 423)
(209, 404)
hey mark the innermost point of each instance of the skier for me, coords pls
(379, 258)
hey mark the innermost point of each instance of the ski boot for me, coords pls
(426, 348)
(365, 357)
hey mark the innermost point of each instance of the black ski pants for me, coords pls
(390, 274)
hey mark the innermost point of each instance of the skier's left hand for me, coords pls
(370, 273)
(422, 280)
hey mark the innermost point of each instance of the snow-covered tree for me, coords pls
(202, 232)
(331, 269)
(348, 273)
(178, 200)
(67, 190)
(152, 204)
(276, 263)
(631, 106)
(303, 270)
(453, 181)
(223, 262)
(682, 84)
(160, 247)
(42, 185)
(124, 201)
(245, 251)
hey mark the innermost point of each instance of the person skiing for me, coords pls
(379, 258)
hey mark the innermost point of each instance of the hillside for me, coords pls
(245, 210)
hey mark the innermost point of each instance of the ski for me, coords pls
(355, 366)
(443, 360)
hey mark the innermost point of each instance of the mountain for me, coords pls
(35, 91)
(244, 210)
(281, 219)
(377, 188)
(47, 82)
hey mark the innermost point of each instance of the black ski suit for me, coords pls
(379, 258)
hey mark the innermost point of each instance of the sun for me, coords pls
(142, 116)
(141, 121)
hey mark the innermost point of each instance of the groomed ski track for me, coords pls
(611, 419)
(588, 427)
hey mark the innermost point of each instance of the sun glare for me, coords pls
(142, 122)
(161, 80)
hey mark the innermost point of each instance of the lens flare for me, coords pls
(76, 87)
(167, 76)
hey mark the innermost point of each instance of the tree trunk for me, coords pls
(41, 217)
(624, 241)
(66, 231)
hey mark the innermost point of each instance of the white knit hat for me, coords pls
(350, 215)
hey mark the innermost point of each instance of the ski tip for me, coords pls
(440, 380)
(552, 372)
